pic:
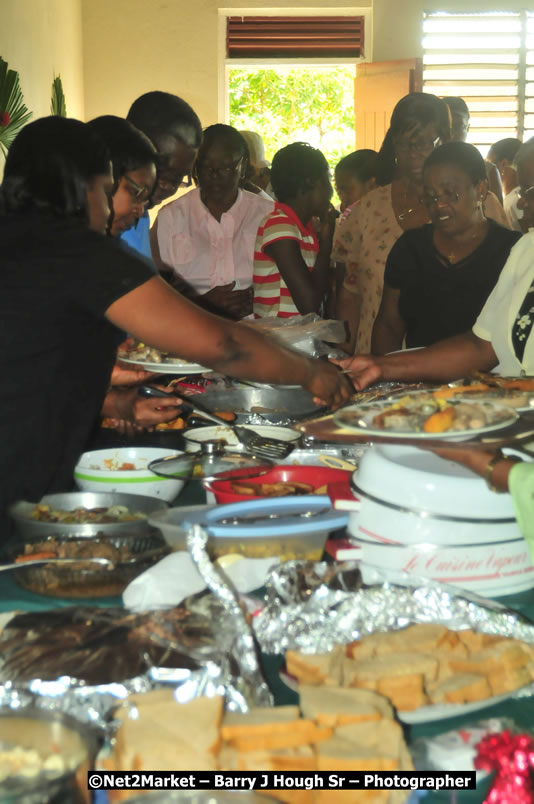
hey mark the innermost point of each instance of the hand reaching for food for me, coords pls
(362, 370)
(131, 412)
(327, 384)
(129, 376)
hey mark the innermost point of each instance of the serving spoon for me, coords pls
(105, 562)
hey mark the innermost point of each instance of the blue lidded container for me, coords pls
(288, 527)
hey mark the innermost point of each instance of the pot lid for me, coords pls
(417, 479)
(209, 463)
(290, 516)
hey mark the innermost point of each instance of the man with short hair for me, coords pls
(176, 131)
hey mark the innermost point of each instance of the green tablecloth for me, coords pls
(13, 598)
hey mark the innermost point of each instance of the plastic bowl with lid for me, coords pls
(288, 527)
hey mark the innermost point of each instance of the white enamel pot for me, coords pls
(431, 517)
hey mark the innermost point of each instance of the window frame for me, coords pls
(525, 62)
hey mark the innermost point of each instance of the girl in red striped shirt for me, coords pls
(292, 254)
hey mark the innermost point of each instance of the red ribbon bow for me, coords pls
(5, 119)
(511, 756)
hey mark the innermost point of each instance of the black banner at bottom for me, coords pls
(289, 780)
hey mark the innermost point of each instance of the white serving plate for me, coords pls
(195, 436)
(359, 419)
(433, 712)
(428, 714)
(166, 368)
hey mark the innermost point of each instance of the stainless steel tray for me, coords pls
(26, 526)
(263, 405)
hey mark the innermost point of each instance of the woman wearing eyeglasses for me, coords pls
(367, 233)
(439, 276)
(133, 160)
(207, 236)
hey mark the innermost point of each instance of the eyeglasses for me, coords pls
(139, 192)
(528, 193)
(224, 172)
(418, 146)
(170, 176)
(449, 197)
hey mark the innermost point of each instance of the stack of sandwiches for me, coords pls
(421, 665)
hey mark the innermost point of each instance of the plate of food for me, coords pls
(512, 392)
(422, 415)
(151, 359)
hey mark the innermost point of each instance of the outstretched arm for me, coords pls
(156, 314)
(444, 361)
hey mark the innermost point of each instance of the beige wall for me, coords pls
(171, 45)
(41, 39)
(110, 51)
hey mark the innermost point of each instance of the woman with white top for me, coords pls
(207, 236)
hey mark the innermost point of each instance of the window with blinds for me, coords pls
(488, 60)
(294, 37)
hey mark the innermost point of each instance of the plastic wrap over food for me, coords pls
(243, 647)
(311, 607)
(310, 333)
(84, 661)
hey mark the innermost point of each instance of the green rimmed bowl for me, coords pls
(95, 471)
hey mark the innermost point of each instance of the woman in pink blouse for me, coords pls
(207, 236)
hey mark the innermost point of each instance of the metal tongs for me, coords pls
(272, 449)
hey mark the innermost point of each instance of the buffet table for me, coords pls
(14, 598)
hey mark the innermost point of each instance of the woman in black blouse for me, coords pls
(64, 291)
(439, 276)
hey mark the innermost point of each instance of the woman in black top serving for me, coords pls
(439, 276)
(64, 289)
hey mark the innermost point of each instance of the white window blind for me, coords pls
(488, 60)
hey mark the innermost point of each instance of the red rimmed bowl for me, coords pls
(318, 477)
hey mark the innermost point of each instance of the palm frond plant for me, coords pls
(58, 105)
(13, 112)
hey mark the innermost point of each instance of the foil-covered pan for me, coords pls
(84, 661)
(313, 606)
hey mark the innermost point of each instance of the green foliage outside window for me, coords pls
(314, 105)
